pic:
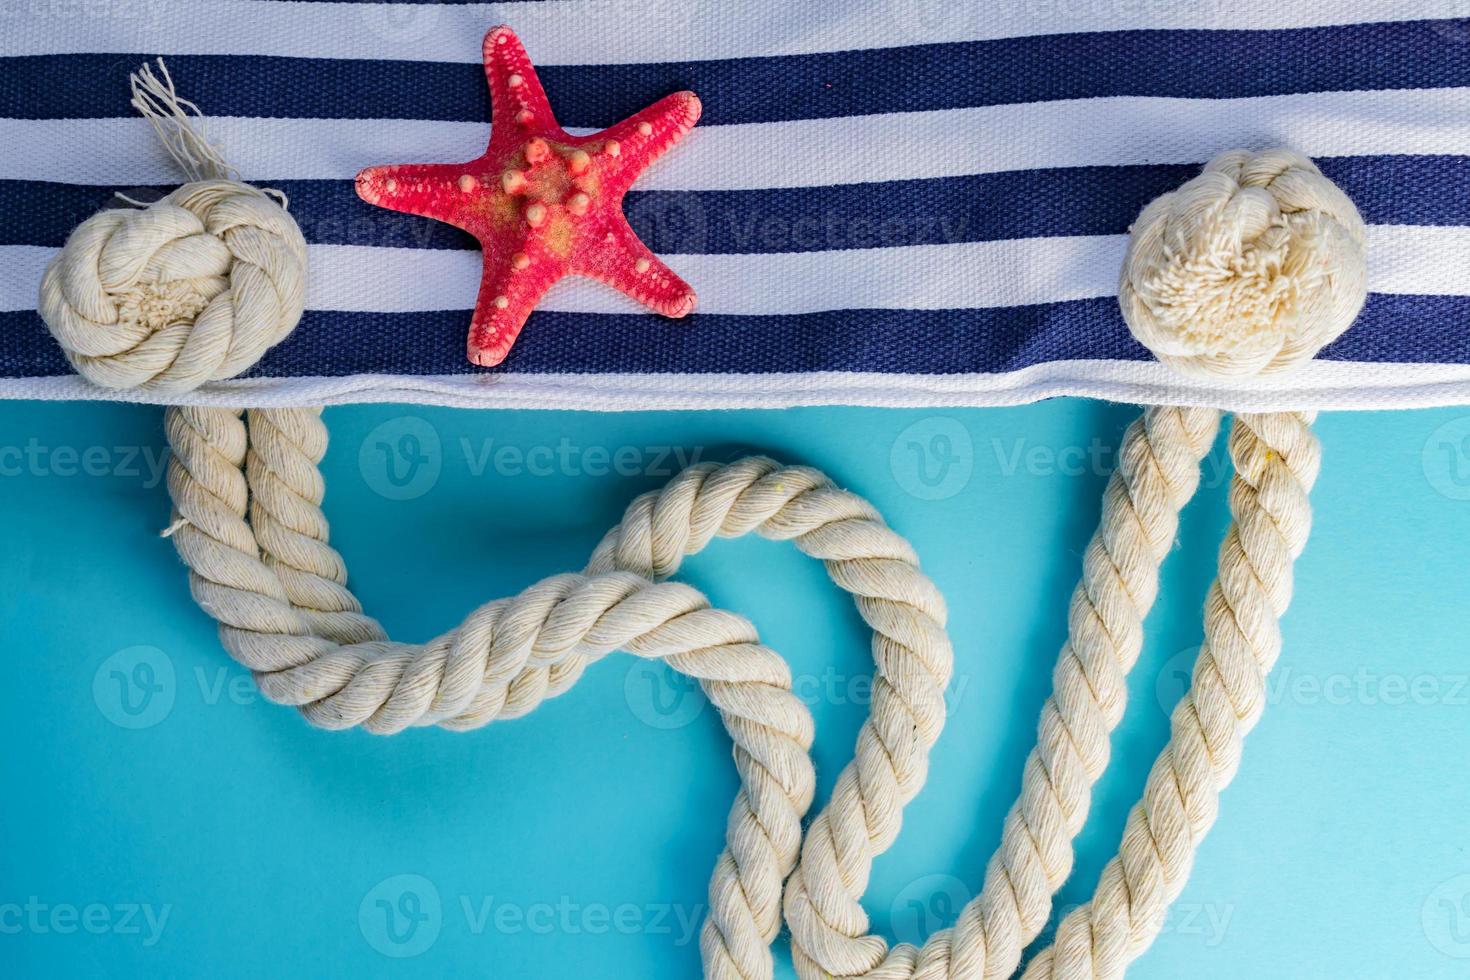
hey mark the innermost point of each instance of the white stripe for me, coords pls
(1325, 385)
(579, 32)
(973, 274)
(1419, 260)
(968, 275)
(853, 149)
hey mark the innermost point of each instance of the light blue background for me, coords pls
(1341, 849)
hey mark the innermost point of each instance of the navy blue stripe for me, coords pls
(1402, 329)
(1185, 64)
(1389, 190)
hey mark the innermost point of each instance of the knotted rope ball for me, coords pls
(190, 289)
(1250, 268)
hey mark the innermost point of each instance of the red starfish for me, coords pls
(543, 204)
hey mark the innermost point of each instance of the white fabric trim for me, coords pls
(1323, 385)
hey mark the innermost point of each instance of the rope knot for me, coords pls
(191, 289)
(1250, 268)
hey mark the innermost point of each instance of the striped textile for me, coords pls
(890, 202)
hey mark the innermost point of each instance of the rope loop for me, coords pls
(248, 523)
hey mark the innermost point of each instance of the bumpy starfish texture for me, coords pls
(543, 204)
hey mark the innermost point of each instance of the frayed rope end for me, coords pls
(179, 124)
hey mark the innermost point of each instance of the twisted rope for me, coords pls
(1276, 459)
(1157, 474)
(278, 590)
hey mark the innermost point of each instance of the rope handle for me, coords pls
(250, 527)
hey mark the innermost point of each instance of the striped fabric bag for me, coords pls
(887, 202)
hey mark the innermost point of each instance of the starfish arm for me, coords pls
(543, 204)
(432, 190)
(507, 296)
(518, 103)
(627, 265)
(645, 136)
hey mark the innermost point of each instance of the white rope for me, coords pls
(1250, 268)
(1253, 266)
(190, 289)
(1158, 472)
(179, 125)
(1276, 459)
(277, 588)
